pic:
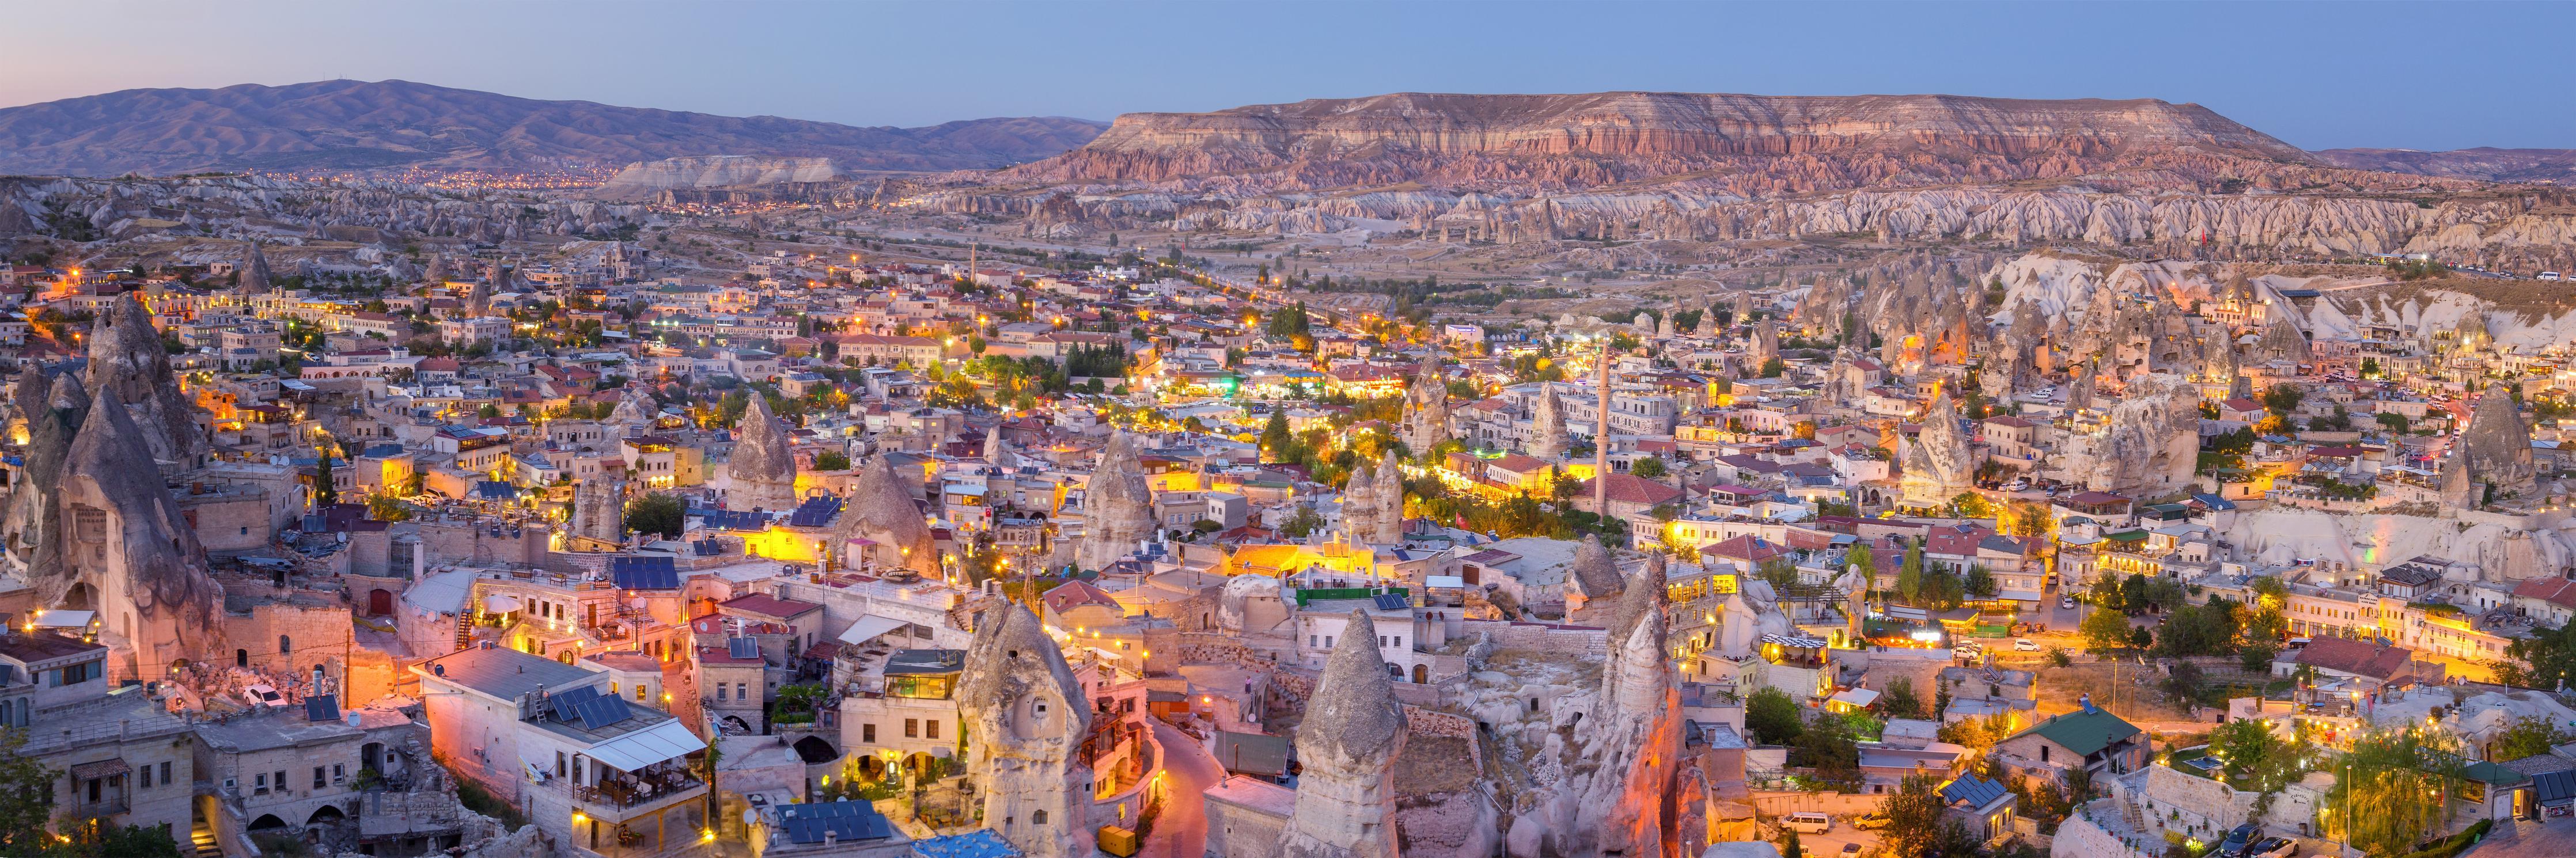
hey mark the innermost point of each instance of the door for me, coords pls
(380, 602)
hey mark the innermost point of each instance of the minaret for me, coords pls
(1601, 441)
(1353, 732)
(1026, 719)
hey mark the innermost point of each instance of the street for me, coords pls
(1181, 830)
(1830, 844)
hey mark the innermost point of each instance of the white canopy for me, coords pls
(868, 628)
(663, 741)
(501, 603)
(65, 619)
(1855, 697)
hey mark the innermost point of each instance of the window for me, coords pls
(739, 693)
(144, 780)
(868, 733)
(339, 772)
(720, 691)
(318, 780)
(559, 764)
(930, 729)
(259, 785)
(912, 728)
(281, 781)
(284, 645)
(1311, 641)
(1037, 817)
(639, 693)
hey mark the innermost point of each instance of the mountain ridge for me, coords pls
(347, 124)
(2482, 163)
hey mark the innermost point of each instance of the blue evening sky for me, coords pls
(2318, 75)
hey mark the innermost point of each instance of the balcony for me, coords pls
(656, 784)
(106, 807)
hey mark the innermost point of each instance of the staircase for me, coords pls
(203, 836)
(464, 630)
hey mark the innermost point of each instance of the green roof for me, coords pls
(2084, 732)
(2127, 536)
(2482, 770)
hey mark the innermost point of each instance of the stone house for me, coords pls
(1982, 806)
(2088, 738)
(121, 758)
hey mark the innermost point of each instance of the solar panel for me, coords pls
(846, 820)
(602, 711)
(1391, 601)
(742, 647)
(566, 703)
(815, 511)
(322, 707)
(644, 573)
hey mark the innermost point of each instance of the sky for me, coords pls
(2318, 75)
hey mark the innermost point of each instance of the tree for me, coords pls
(1981, 583)
(1826, 744)
(1789, 847)
(1780, 572)
(2543, 660)
(1900, 701)
(2392, 789)
(1915, 823)
(831, 460)
(1305, 521)
(2282, 399)
(1772, 367)
(26, 796)
(2529, 737)
(2057, 657)
(1651, 468)
(1772, 716)
(325, 492)
(659, 512)
(1275, 437)
(2395, 422)
(2104, 631)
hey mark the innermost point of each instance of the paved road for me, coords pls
(1181, 832)
(1830, 844)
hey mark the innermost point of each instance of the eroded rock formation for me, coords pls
(1029, 721)
(763, 465)
(881, 511)
(1117, 505)
(2147, 444)
(1353, 731)
(126, 356)
(128, 551)
(2497, 445)
(1938, 463)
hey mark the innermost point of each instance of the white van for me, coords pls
(1810, 822)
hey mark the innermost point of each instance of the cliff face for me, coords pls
(1784, 142)
(2485, 163)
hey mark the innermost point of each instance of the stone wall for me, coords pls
(2080, 838)
(1224, 650)
(1539, 636)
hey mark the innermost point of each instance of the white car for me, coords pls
(262, 695)
(2066, 602)
(2025, 645)
(1966, 651)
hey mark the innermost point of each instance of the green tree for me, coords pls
(2281, 399)
(26, 796)
(1980, 583)
(2544, 659)
(2395, 422)
(831, 460)
(1915, 824)
(1772, 716)
(1780, 572)
(2529, 737)
(1789, 847)
(1826, 744)
(325, 490)
(1651, 468)
(2393, 788)
(2104, 631)
(659, 512)
(1909, 575)
(1305, 521)
(1772, 367)
(1276, 440)
(1900, 701)
(2057, 657)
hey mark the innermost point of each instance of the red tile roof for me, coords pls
(770, 606)
(2377, 661)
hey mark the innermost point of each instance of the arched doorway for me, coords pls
(266, 822)
(814, 749)
(1421, 674)
(81, 597)
(325, 814)
(917, 764)
(871, 768)
(371, 756)
(241, 658)
(380, 601)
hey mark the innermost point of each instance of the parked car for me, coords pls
(2275, 847)
(1871, 821)
(2239, 840)
(1810, 822)
(2025, 645)
(1966, 651)
(1850, 850)
(2066, 602)
(262, 695)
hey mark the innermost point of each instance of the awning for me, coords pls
(870, 627)
(1857, 698)
(501, 603)
(1799, 641)
(663, 741)
(1444, 582)
(100, 769)
(65, 619)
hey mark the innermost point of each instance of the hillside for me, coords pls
(1765, 145)
(2485, 164)
(357, 124)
